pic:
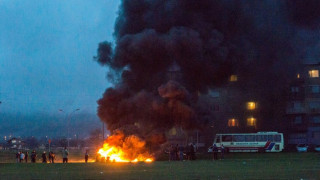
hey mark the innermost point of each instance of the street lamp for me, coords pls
(68, 122)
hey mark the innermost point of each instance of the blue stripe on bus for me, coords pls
(271, 146)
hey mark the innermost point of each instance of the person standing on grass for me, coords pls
(176, 149)
(187, 152)
(22, 156)
(50, 157)
(222, 151)
(181, 149)
(86, 156)
(26, 156)
(192, 153)
(65, 154)
(53, 157)
(33, 156)
(18, 156)
(171, 153)
(44, 157)
(215, 152)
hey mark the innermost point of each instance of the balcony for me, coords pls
(299, 127)
(296, 110)
(296, 95)
(312, 95)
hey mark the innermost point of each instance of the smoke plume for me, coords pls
(167, 52)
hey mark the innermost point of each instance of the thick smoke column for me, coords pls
(304, 13)
(208, 40)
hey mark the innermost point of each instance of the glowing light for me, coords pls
(314, 73)
(148, 160)
(251, 105)
(251, 121)
(233, 123)
(233, 78)
(298, 76)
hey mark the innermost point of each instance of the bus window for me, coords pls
(250, 138)
(265, 138)
(259, 138)
(270, 138)
(262, 138)
(238, 138)
(277, 138)
(217, 139)
(226, 138)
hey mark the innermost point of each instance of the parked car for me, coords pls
(302, 147)
(317, 148)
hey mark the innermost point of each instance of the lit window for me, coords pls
(233, 78)
(314, 73)
(233, 123)
(251, 121)
(251, 105)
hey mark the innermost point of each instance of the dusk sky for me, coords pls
(46, 54)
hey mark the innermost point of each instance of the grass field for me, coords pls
(235, 166)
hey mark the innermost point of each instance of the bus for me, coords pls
(250, 142)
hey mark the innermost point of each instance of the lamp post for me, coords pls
(68, 122)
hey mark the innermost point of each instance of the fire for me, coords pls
(118, 148)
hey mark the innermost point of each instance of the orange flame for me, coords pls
(118, 148)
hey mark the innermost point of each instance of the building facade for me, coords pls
(303, 107)
(230, 110)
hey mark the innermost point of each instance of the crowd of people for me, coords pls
(215, 151)
(23, 156)
(20, 156)
(180, 153)
(176, 153)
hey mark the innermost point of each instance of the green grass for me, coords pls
(235, 166)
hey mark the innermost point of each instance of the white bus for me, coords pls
(250, 142)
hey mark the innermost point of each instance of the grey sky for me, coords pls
(46, 50)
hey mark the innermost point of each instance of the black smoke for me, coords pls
(208, 40)
(304, 13)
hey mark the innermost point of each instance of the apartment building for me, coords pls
(303, 107)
